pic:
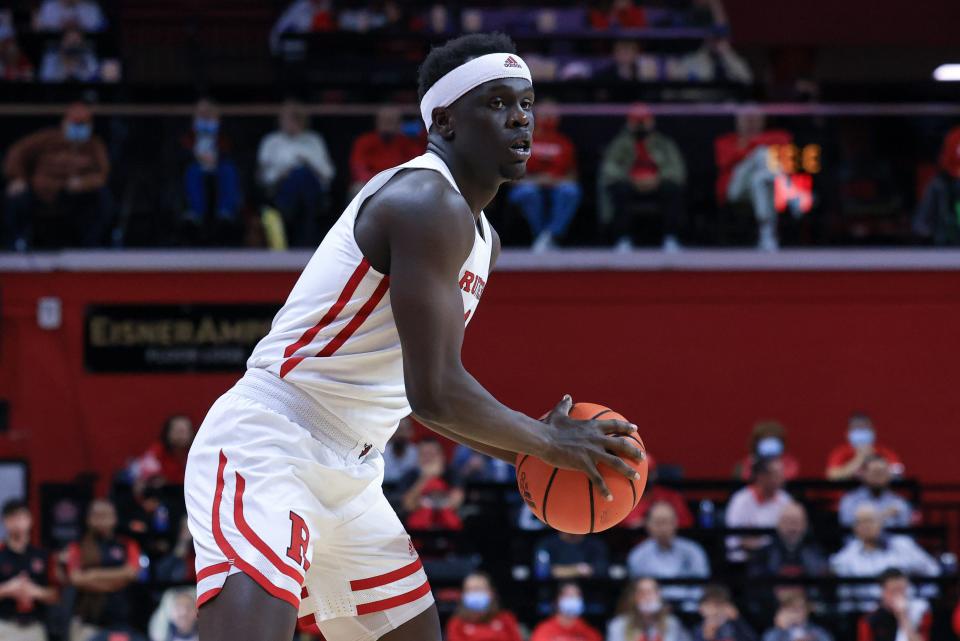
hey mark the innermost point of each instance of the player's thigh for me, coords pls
(244, 611)
(423, 627)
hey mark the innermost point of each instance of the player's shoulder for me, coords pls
(425, 198)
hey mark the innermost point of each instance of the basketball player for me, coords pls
(283, 481)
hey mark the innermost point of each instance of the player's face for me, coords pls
(493, 127)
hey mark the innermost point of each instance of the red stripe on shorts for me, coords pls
(227, 550)
(394, 601)
(255, 540)
(389, 577)
(210, 570)
(206, 596)
(348, 290)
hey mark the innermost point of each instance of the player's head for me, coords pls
(17, 520)
(476, 100)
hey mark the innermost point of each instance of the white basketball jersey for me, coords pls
(335, 337)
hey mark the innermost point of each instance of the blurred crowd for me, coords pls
(121, 567)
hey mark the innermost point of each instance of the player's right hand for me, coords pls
(583, 445)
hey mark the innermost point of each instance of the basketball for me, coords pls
(567, 500)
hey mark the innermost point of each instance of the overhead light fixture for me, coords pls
(947, 73)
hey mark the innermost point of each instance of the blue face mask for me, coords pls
(476, 600)
(861, 436)
(570, 606)
(769, 446)
(206, 126)
(77, 131)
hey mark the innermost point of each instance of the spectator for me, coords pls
(166, 459)
(60, 15)
(898, 617)
(664, 555)
(656, 493)
(642, 167)
(175, 619)
(551, 175)
(381, 149)
(479, 617)
(715, 61)
(758, 505)
(624, 14)
(846, 461)
(14, 65)
(744, 173)
(624, 65)
(211, 181)
(72, 61)
(303, 16)
(100, 567)
(179, 565)
(400, 455)
(769, 438)
(642, 615)
(24, 584)
(296, 170)
(432, 494)
(721, 620)
(791, 553)
(56, 179)
(474, 466)
(566, 624)
(875, 491)
(792, 622)
(936, 217)
(572, 556)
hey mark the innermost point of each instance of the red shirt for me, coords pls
(553, 630)
(372, 154)
(843, 454)
(658, 494)
(157, 461)
(950, 153)
(502, 627)
(728, 153)
(552, 154)
(643, 165)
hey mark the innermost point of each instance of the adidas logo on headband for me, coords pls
(510, 62)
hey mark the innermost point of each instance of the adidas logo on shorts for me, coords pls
(511, 62)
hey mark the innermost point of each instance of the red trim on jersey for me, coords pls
(309, 624)
(348, 290)
(247, 532)
(355, 322)
(206, 596)
(210, 570)
(227, 550)
(389, 577)
(394, 601)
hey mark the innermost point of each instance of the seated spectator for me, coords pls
(846, 461)
(479, 617)
(400, 455)
(792, 622)
(897, 617)
(60, 15)
(757, 505)
(166, 459)
(871, 552)
(432, 494)
(25, 589)
(175, 619)
(642, 614)
(566, 624)
(72, 61)
(211, 181)
(14, 65)
(744, 173)
(667, 556)
(383, 148)
(936, 217)
(56, 180)
(471, 465)
(624, 64)
(551, 177)
(642, 167)
(769, 438)
(295, 170)
(572, 556)
(303, 16)
(100, 567)
(623, 14)
(656, 493)
(721, 620)
(875, 491)
(179, 565)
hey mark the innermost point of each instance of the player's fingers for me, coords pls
(621, 466)
(625, 447)
(615, 427)
(594, 473)
(563, 407)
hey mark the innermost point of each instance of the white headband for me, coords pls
(469, 75)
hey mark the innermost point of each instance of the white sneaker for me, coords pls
(544, 242)
(623, 246)
(671, 245)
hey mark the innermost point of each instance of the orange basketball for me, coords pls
(567, 500)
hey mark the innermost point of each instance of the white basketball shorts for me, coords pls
(276, 491)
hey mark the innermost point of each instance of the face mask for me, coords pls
(861, 436)
(476, 600)
(570, 606)
(77, 131)
(769, 446)
(206, 126)
(650, 607)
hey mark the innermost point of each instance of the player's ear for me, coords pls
(443, 121)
